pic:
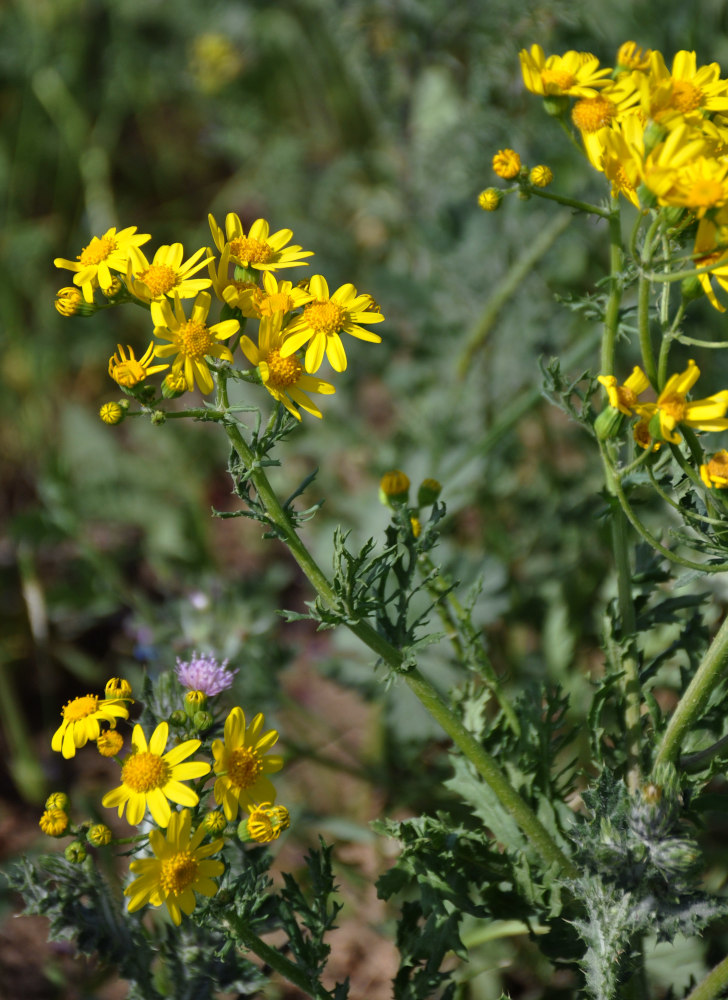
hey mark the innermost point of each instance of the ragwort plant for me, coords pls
(590, 864)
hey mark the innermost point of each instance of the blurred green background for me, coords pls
(367, 127)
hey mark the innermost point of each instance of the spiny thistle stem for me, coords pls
(486, 765)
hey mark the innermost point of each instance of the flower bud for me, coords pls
(507, 164)
(58, 800)
(541, 176)
(174, 385)
(178, 718)
(158, 418)
(490, 199)
(608, 423)
(111, 413)
(110, 743)
(556, 105)
(394, 488)
(54, 822)
(428, 492)
(76, 852)
(195, 701)
(118, 687)
(70, 302)
(202, 720)
(99, 835)
(113, 288)
(690, 288)
(214, 822)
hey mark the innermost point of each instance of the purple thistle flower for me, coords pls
(204, 673)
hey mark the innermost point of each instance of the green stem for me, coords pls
(611, 318)
(580, 206)
(644, 287)
(422, 688)
(694, 699)
(667, 339)
(713, 984)
(276, 961)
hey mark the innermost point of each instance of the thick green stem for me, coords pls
(644, 288)
(422, 688)
(279, 962)
(611, 318)
(713, 985)
(695, 698)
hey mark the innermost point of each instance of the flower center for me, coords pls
(718, 465)
(627, 397)
(282, 372)
(80, 708)
(592, 113)
(98, 249)
(706, 192)
(280, 302)
(144, 771)
(674, 406)
(686, 96)
(555, 80)
(244, 766)
(128, 373)
(250, 251)
(196, 339)
(324, 317)
(159, 279)
(177, 873)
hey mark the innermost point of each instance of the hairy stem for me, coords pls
(279, 962)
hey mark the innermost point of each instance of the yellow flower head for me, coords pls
(662, 166)
(260, 249)
(282, 374)
(58, 800)
(275, 296)
(192, 340)
(715, 472)
(214, 61)
(624, 397)
(242, 763)
(575, 74)
(166, 275)
(541, 176)
(673, 408)
(394, 486)
(214, 822)
(118, 687)
(596, 116)
(53, 822)
(267, 822)
(507, 164)
(128, 371)
(622, 157)
(110, 743)
(68, 300)
(325, 318)
(642, 436)
(150, 777)
(711, 250)
(490, 199)
(81, 718)
(99, 835)
(104, 254)
(112, 413)
(631, 57)
(684, 91)
(178, 869)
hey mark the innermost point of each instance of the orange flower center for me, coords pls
(195, 339)
(592, 113)
(244, 766)
(674, 406)
(555, 80)
(98, 249)
(144, 771)
(80, 708)
(282, 372)
(178, 872)
(159, 279)
(706, 192)
(686, 96)
(250, 251)
(325, 317)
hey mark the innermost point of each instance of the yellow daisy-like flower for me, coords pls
(710, 251)
(642, 436)
(111, 413)
(104, 254)
(325, 318)
(149, 777)
(575, 74)
(110, 743)
(53, 822)
(630, 57)
(623, 153)
(541, 176)
(192, 340)
(81, 721)
(673, 408)
(128, 371)
(166, 276)
(178, 869)
(242, 764)
(267, 822)
(596, 116)
(683, 91)
(624, 397)
(699, 186)
(283, 376)
(260, 249)
(275, 296)
(661, 168)
(68, 300)
(506, 164)
(714, 473)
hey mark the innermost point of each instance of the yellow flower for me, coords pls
(394, 487)
(715, 472)
(623, 151)
(283, 376)
(325, 318)
(259, 249)
(128, 371)
(58, 800)
(575, 74)
(631, 57)
(672, 408)
(214, 61)
(490, 199)
(53, 822)
(81, 718)
(68, 300)
(110, 743)
(166, 275)
(596, 116)
(507, 164)
(681, 146)
(99, 835)
(105, 253)
(267, 822)
(642, 436)
(708, 252)
(178, 869)
(683, 92)
(275, 296)
(150, 776)
(624, 397)
(111, 413)
(242, 764)
(192, 340)
(117, 687)
(541, 176)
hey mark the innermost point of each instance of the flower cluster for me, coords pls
(297, 325)
(659, 134)
(161, 785)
